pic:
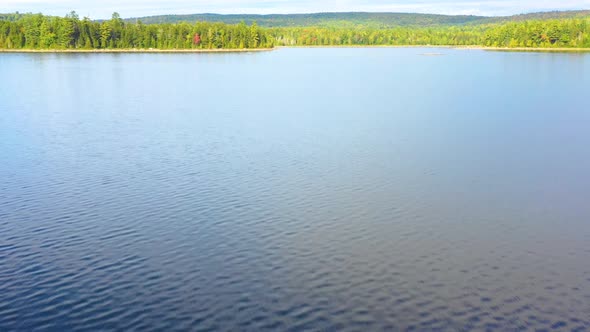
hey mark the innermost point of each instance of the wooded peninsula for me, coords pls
(40, 32)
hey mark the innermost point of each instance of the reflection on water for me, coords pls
(302, 189)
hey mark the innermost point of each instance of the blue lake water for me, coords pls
(300, 189)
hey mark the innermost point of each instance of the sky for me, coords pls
(97, 9)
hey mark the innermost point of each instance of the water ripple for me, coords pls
(214, 205)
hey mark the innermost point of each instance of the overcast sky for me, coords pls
(131, 8)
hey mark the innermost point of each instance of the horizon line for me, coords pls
(367, 12)
(313, 13)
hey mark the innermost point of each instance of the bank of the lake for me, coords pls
(138, 50)
(247, 50)
(468, 47)
(524, 49)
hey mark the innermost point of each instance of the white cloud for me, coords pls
(128, 8)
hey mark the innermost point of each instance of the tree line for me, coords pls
(35, 31)
(535, 33)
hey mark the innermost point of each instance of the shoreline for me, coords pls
(139, 50)
(526, 49)
(248, 50)
(458, 47)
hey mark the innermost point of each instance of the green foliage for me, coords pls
(550, 33)
(30, 31)
(45, 32)
(538, 33)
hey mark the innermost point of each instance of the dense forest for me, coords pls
(71, 32)
(537, 33)
(35, 31)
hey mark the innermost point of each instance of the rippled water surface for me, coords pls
(299, 189)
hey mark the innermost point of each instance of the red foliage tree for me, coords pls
(196, 39)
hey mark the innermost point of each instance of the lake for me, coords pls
(332, 189)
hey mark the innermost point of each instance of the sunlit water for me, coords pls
(299, 189)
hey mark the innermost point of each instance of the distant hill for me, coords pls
(320, 19)
(344, 19)
(350, 19)
(537, 16)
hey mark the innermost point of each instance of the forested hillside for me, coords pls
(358, 19)
(554, 15)
(35, 31)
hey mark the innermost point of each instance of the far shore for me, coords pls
(139, 50)
(460, 47)
(246, 50)
(525, 49)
